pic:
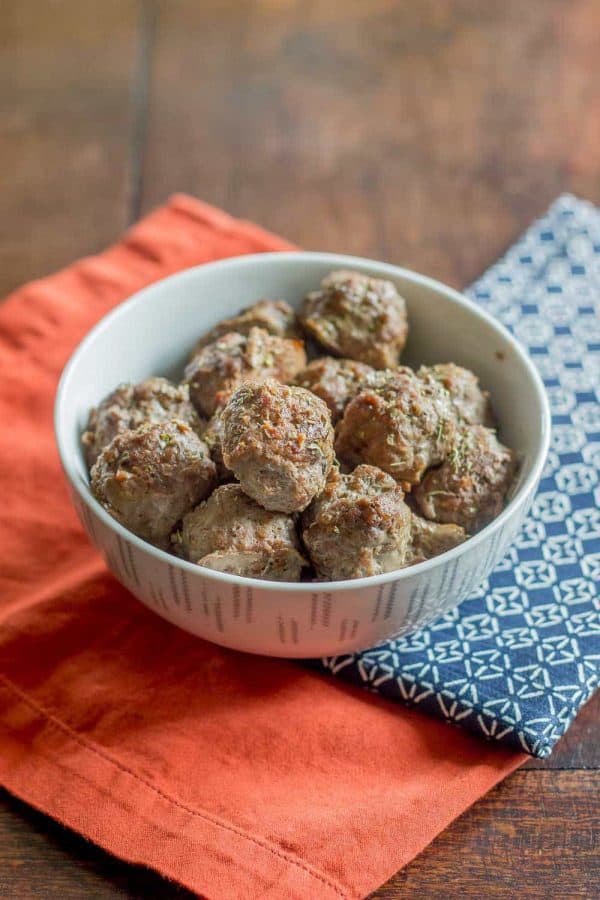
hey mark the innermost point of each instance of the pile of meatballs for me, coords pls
(263, 464)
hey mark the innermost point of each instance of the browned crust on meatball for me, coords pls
(400, 423)
(359, 317)
(278, 441)
(233, 359)
(275, 316)
(359, 526)
(148, 478)
(128, 406)
(335, 381)
(469, 488)
(471, 403)
(230, 532)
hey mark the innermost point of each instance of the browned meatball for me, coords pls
(231, 533)
(359, 526)
(152, 400)
(336, 381)
(400, 423)
(470, 486)
(150, 477)
(213, 437)
(275, 316)
(219, 368)
(278, 441)
(431, 539)
(471, 403)
(359, 317)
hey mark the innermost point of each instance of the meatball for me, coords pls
(359, 317)
(148, 478)
(281, 564)
(278, 441)
(231, 533)
(430, 538)
(152, 400)
(336, 381)
(400, 423)
(470, 486)
(359, 526)
(471, 403)
(219, 368)
(213, 437)
(275, 316)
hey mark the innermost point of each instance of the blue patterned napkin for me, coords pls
(521, 655)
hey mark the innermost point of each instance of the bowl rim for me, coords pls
(336, 260)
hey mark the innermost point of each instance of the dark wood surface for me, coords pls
(428, 134)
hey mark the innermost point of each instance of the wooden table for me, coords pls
(427, 133)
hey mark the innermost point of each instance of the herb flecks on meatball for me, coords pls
(150, 477)
(128, 406)
(469, 488)
(400, 423)
(430, 539)
(336, 381)
(359, 317)
(274, 316)
(230, 532)
(471, 403)
(219, 368)
(278, 441)
(359, 526)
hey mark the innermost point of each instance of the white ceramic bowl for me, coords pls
(153, 333)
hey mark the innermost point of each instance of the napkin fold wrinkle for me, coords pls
(235, 776)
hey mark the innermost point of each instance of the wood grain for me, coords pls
(66, 79)
(429, 134)
(535, 836)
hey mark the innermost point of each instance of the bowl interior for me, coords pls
(153, 333)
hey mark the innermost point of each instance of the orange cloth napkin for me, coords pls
(237, 776)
